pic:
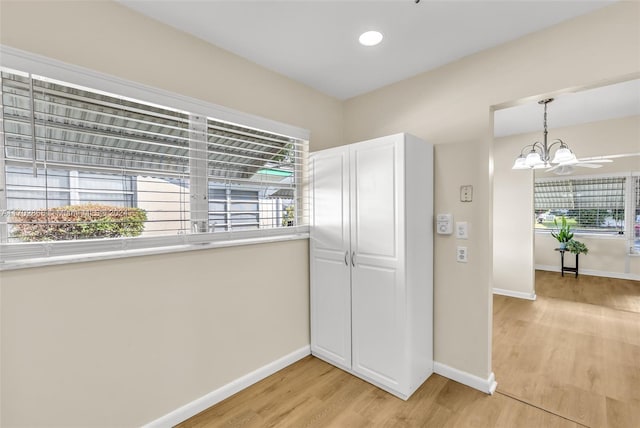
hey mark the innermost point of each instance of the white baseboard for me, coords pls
(487, 386)
(198, 405)
(617, 275)
(511, 293)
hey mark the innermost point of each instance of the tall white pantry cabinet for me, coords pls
(372, 260)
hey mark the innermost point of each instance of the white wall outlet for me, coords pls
(462, 254)
(462, 230)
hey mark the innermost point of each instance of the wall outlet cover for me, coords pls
(462, 255)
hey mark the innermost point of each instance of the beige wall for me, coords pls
(452, 105)
(513, 267)
(607, 256)
(514, 258)
(107, 37)
(606, 137)
(123, 342)
(119, 343)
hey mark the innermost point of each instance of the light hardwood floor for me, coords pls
(609, 292)
(575, 359)
(559, 363)
(312, 393)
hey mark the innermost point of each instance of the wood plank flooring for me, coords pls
(560, 361)
(312, 393)
(610, 292)
(575, 359)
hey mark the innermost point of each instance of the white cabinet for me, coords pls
(372, 260)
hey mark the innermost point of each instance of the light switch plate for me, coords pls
(462, 230)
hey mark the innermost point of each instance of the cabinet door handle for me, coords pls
(346, 258)
(353, 257)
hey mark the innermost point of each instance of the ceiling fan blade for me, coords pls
(588, 165)
(566, 168)
(562, 169)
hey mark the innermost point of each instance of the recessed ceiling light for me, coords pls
(370, 38)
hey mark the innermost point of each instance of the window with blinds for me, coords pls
(83, 165)
(589, 204)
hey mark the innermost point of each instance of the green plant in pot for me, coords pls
(577, 247)
(563, 234)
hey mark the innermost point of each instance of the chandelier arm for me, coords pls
(533, 147)
(541, 149)
(537, 145)
(547, 154)
(557, 141)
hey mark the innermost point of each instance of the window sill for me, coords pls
(301, 232)
(591, 235)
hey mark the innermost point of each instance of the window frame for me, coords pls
(48, 253)
(629, 209)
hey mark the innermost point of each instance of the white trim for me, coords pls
(590, 235)
(198, 405)
(488, 385)
(517, 294)
(23, 255)
(37, 64)
(209, 241)
(616, 275)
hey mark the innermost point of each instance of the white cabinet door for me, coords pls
(377, 221)
(331, 257)
(371, 251)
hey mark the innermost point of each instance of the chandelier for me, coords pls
(539, 154)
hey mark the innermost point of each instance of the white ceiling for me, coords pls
(574, 108)
(316, 42)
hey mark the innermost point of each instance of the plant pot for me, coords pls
(563, 245)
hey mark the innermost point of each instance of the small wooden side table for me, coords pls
(564, 268)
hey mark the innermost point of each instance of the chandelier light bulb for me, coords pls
(533, 159)
(564, 156)
(520, 163)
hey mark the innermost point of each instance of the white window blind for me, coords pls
(591, 204)
(105, 170)
(258, 172)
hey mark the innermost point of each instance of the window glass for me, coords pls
(82, 164)
(589, 205)
(233, 209)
